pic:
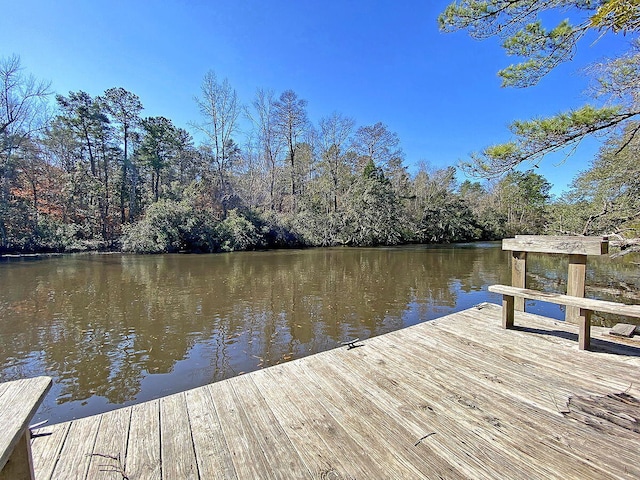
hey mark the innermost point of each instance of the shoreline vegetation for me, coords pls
(90, 173)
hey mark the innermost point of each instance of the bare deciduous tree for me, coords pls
(23, 112)
(269, 142)
(335, 131)
(220, 109)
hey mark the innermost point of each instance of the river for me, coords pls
(113, 330)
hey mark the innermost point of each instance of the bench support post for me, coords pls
(575, 285)
(20, 463)
(584, 335)
(519, 275)
(507, 311)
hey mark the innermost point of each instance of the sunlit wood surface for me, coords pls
(458, 397)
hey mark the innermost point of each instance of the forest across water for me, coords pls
(91, 172)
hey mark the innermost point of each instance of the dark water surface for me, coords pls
(113, 330)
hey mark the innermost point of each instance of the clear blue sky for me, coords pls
(373, 60)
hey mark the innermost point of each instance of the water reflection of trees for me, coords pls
(101, 324)
(614, 279)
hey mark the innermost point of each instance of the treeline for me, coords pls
(93, 173)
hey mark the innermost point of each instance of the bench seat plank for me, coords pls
(19, 400)
(585, 306)
(560, 299)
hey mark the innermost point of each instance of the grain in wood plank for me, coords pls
(550, 354)
(110, 448)
(323, 444)
(456, 352)
(550, 350)
(505, 364)
(521, 373)
(4, 387)
(177, 452)
(46, 445)
(248, 458)
(75, 455)
(451, 385)
(568, 245)
(379, 435)
(143, 448)
(212, 452)
(470, 455)
(552, 435)
(483, 417)
(619, 411)
(19, 400)
(576, 378)
(284, 461)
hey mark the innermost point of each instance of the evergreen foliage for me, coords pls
(540, 49)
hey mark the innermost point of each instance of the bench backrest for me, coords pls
(568, 245)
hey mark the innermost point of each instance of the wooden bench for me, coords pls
(19, 401)
(577, 248)
(585, 305)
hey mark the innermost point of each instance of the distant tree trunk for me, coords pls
(123, 185)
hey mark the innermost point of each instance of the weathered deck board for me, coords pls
(281, 456)
(143, 448)
(365, 421)
(403, 391)
(110, 448)
(49, 444)
(320, 441)
(176, 444)
(458, 397)
(546, 358)
(511, 422)
(246, 450)
(75, 456)
(212, 453)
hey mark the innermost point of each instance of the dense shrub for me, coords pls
(279, 231)
(56, 236)
(170, 226)
(236, 232)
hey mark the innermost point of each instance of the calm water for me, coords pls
(113, 330)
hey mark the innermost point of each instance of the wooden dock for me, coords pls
(458, 397)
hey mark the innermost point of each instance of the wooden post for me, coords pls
(519, 276)
(20, 463)
(507, 311)
(584, 335)
(575, 285)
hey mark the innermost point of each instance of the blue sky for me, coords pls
(373, 60)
